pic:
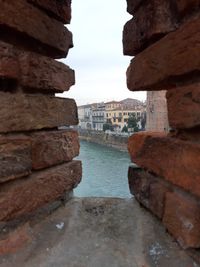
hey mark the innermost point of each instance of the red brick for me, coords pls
(23, 112)
(44, 35)
(182, 219)
(34, 71)
(22, 197)
(52, 148)
(184, 106)
(175, 160)
(162, 65)
(60, 10)
(15, 157)
(143, 30)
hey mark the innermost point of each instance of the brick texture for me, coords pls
(184, 106)
(15, 158)
(34, 112)
(53, 147)
(164, 63)
(60, 10)
(33, 71)
(22, 197)
(143, 30)
(53, 39)
(149, 190)
(175, 160)
(182, 219)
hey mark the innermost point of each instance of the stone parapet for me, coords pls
(36, 158)
(167, 48)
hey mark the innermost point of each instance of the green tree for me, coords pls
(125, 129)
(107, 126)
(133, 122)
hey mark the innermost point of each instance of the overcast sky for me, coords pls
(97, 56)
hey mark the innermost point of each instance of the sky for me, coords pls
(97, 56)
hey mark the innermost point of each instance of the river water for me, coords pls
(104, 172)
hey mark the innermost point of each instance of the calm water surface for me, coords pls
(104, 172)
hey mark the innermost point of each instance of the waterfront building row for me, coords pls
(115, 113)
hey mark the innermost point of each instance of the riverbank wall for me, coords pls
(116, 141)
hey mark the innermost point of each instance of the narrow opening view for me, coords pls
(99, 133)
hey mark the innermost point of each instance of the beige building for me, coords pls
(157, 115)
(119, 116)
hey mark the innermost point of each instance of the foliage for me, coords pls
(107, 126)
(133, 123)
(125, 129)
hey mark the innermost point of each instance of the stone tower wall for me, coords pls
(157, 115)
(36, 158)
(164, 37)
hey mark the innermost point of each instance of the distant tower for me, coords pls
(157, 115)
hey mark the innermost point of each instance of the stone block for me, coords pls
(167, 62)
(53, 147)
(40, 32)
(22, 197)
(184, 106)
(15, 157)
(175, 160)
(34, 71)
(60, 10)
(143, 30)
(148, 189)
(182, 219)
(25, 112)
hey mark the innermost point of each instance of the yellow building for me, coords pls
(118, 117)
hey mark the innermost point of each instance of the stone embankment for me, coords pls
(99, 137)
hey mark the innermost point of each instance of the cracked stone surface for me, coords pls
(98, 232)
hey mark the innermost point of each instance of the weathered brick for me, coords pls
(184, 106)
(163, 64)
(148, 189)
(52, 148)
(15, 157)
(22, 197)
(175, 160)
(143, 30)
(34, 71)
(43, 34)
(132, 5)
(139, 183)
(182, 219)
(60, 10)
(23, 112)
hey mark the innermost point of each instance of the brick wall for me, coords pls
(36, 158)
(164, 37)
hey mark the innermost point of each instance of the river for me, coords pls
(104, 172)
